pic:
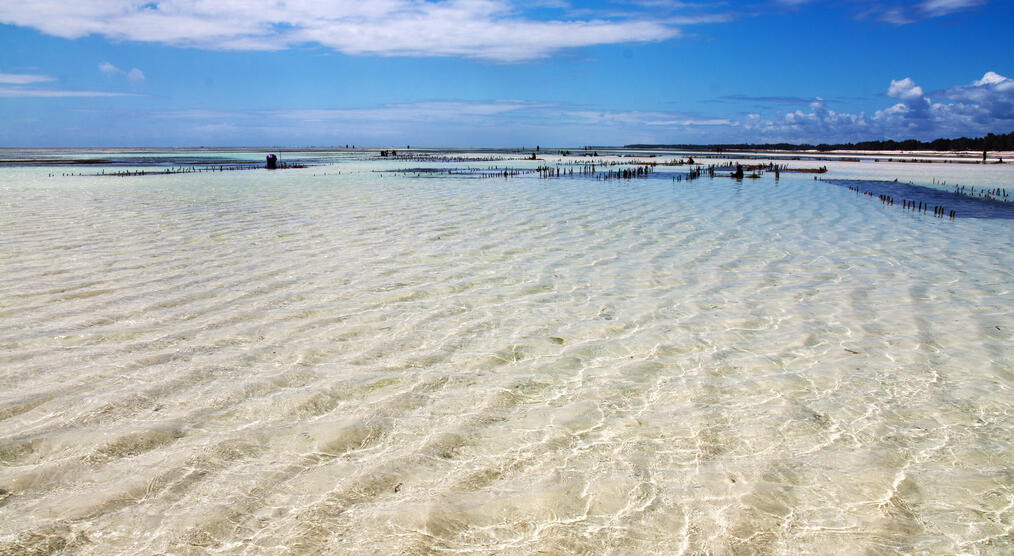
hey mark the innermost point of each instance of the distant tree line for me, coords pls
(990, 142)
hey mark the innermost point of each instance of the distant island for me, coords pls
(990, 142)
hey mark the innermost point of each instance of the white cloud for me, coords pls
(988, 102)
(693, 123)
(914, 106)
(13, 92)
(906, 12)
(992, 89)
(639, 119)
(937, 8)
(412, 112)
(134, 75)
(897, 16)
(904, 89)
(992, 78)
(984, 106)
(196, 114)
(23, 78)
(489, 29)
(427, 112)
(497, 122)
(16, 82)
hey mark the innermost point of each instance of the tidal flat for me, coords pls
(472, 351)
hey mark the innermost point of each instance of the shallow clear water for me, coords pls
(360, 362)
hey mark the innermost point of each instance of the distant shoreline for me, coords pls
(989, 142)
(814, 151)
(235, 157)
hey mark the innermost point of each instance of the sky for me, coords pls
(501, 73)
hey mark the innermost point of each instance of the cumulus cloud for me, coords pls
(106, 67)
(489, 29)
(991, 88)
(987, 102)
(904, 89)
(983, 106)
(135, 75)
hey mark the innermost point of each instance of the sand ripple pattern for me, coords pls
(360, 363)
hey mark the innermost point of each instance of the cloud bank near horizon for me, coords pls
(983, 106)
(977, 108)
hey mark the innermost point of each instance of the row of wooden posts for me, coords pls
(918, 206)
(991, 194)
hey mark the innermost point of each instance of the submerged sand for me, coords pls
(311, 361)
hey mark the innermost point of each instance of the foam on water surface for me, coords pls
(333, 359)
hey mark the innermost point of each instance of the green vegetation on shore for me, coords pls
(990, 142)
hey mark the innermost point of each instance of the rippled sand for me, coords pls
(294, 362)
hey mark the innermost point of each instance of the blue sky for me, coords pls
(501, 73)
